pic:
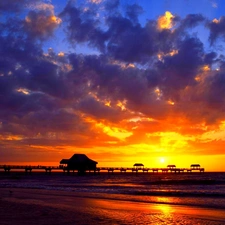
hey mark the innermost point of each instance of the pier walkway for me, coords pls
(49, 169)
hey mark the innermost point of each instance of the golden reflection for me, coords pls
(166, 209)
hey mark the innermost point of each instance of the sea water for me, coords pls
(190, 189)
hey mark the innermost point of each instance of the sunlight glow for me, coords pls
(170, 102)
(162, 160)
(198, 78)
(108, 103)
(61, 54)
(122, 105)
(165, 21)
(55, 19)
(95, 1)
(216, 20)
(158, 93)
(112, 131)
(206, 68)
(115, 132)
(138, 118)
(11, 137)
(23, 90)
(169, 141)
(171, 53)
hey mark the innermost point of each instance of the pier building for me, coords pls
(78, 162)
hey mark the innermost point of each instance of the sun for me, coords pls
(162, 160)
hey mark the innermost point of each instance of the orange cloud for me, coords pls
(41, 22)
(165, 21)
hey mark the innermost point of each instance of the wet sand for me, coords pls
(35, 206)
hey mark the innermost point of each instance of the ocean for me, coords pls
(188, 189)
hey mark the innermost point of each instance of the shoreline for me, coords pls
(113, 196)
(19, 205)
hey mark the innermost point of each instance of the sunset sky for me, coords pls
(121, 81)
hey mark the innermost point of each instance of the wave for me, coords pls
(178, 194)
(183, 182)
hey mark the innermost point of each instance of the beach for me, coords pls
(36, 206)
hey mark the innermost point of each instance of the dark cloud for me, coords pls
(12, 5)
(192, 20)
(83, 27)
(112, 5)
(179, 71)
(216, 91)
(97, 110)
(217, 29)
(210, 58)
(122, 38)
(133, 11)
(129, 42)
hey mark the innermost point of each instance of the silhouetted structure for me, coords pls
(171, 166)
(79, 162)
(195, 166)
(138, 166)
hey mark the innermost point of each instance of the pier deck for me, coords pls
(49, 169)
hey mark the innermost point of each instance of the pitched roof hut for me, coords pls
(171, 166)
(138, 165)
(195, 166)
(79, 162)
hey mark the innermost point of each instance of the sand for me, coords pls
(34, 206)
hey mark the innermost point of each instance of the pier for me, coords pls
(135, 169)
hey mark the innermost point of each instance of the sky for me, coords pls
(121, 81)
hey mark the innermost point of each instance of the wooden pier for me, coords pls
(135, 169)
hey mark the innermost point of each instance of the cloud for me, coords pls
(133, 11)
(143, 80)
(42, 23)
(192, 20)
(217, 29)
(165, 21)
(13, 5)
(95, 1)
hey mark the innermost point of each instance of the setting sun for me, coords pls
(162, 160)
